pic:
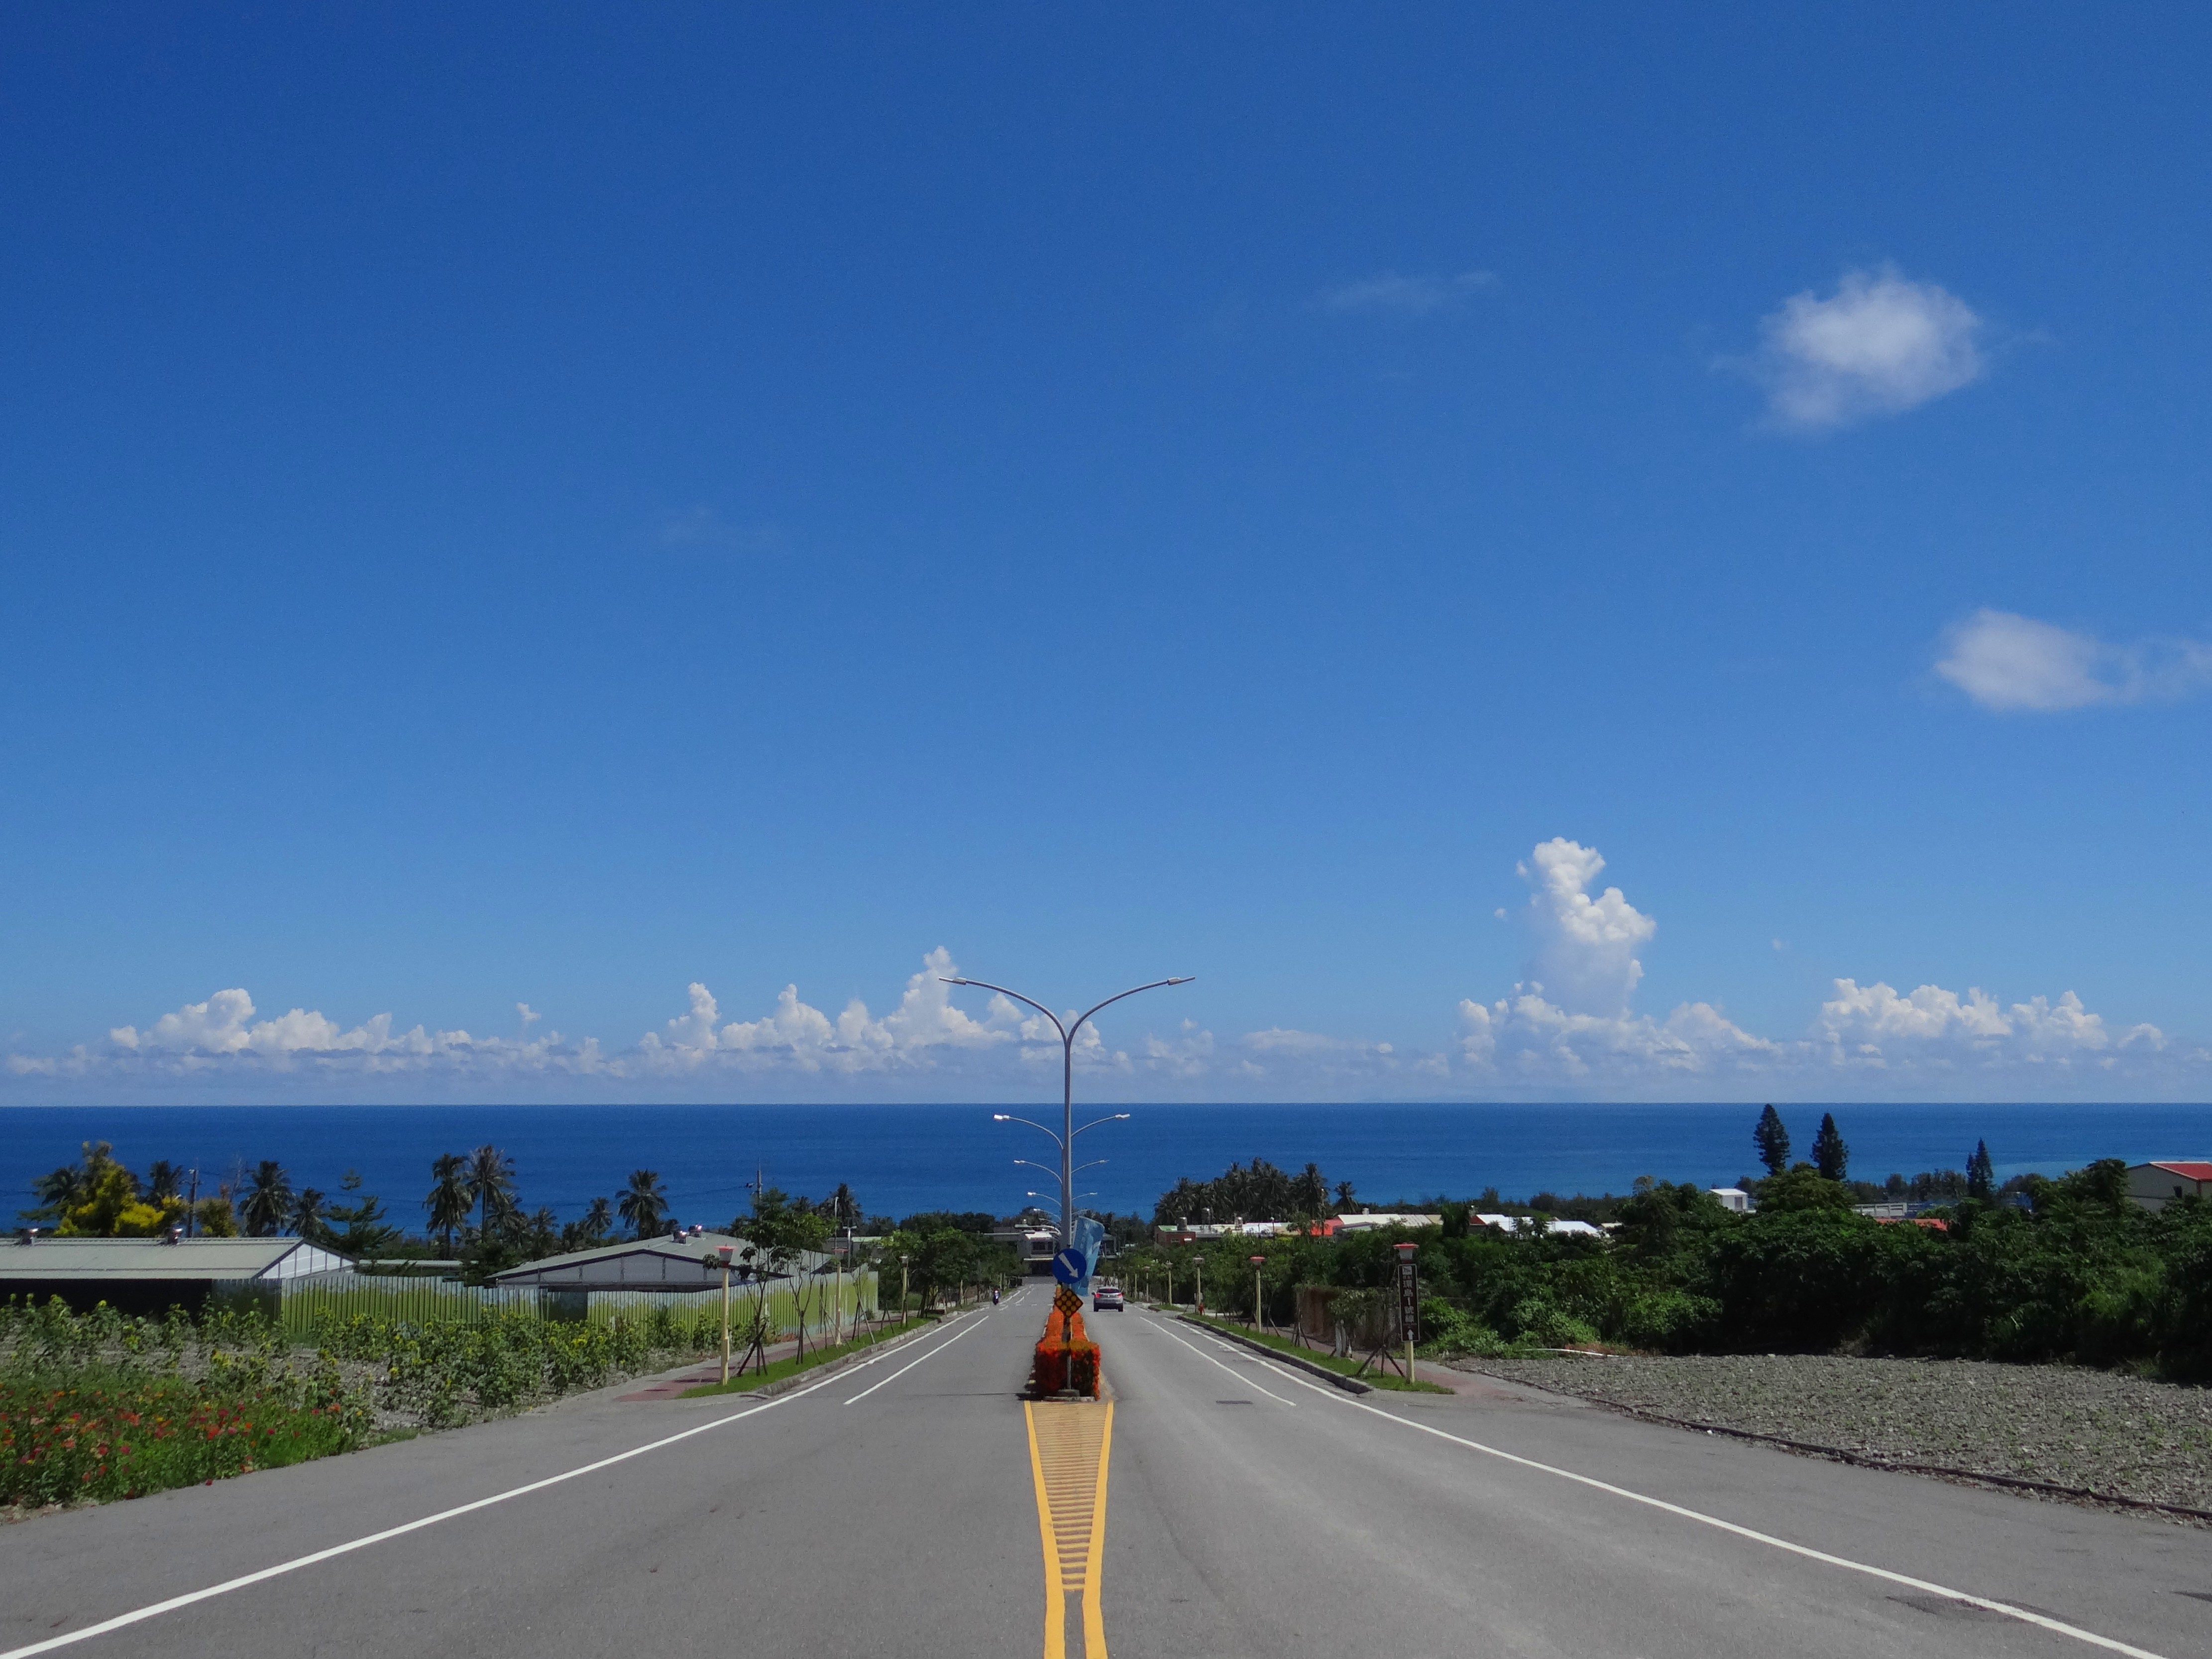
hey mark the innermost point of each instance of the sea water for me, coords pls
(900, 1160)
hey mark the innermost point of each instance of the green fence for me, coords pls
(435, 1301)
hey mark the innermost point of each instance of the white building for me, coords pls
(1732, 1198)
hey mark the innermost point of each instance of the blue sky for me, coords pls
(557, 508)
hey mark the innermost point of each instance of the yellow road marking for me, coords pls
(1069, 1445)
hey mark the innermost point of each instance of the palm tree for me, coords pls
(490, 1182)
(598, 1221)
(162, 1180)
(268, 1201)
(643, 1203)
(449, 1201)
(307, 1214)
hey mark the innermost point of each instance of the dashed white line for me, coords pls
(893, 1377)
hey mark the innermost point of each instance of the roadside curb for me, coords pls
(1349, 1384)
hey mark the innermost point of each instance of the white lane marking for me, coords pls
(893, 1377)
(2025, 1617)
(140, 1615)
(1239, 1376)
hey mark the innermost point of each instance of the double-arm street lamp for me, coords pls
(1068, 1132)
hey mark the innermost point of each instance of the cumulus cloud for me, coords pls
(925, 1023)
(1880, 344)
(2012, 664)
(1571, 1029)
(1586, 947)
(1391, 294)
(1876, 1027)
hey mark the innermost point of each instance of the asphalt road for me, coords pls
(894, 1510)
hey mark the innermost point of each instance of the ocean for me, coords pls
(900, 1160)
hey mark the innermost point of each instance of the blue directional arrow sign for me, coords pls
(1070, 1267)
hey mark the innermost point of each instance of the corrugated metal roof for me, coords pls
(122, 1259)
(2187, 1169)
(667, 1262)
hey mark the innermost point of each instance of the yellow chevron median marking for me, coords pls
(1069, 1447)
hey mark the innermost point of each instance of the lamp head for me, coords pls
(1406, 1250)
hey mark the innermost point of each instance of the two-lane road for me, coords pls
(913, 1507)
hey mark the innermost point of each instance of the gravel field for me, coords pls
(2096, 1430)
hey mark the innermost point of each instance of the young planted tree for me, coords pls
(268, 1203)
(1830, 1156)
(1772, 1141)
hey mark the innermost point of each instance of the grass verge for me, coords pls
(791, 1367)
(1327, 1361)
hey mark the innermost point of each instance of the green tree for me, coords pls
(490, 1180)
(163, 1180)
(56, 1192)
(449, 1202)
(1981, 1173)
(643, 1203)
(1830, 1156)
(268, 1204)
(307, 1217)
(1772, 1141)
(1802, 1187)
(361, 1230)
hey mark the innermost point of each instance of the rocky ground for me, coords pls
(2096, 1432)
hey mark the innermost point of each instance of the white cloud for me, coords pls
(1404, 297)
(2013, 664)
(1572, 1035)
(1879, 345)
(1585, 947)
(1876, 1027)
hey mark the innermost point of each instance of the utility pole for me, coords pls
(192, 1207)
(1259, 1308)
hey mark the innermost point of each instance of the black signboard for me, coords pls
(1409, 1302)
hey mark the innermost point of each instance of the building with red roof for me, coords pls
(2158, 1184)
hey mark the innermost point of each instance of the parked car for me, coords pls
(1106, 1296)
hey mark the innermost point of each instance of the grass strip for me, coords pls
(1342, 1367)
(779, 1369)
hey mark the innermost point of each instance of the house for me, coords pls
(1513, 1223)
(672, 1261)
(2155, 1185)
(1732, 1198)
(1372, 1219)
(149, 1276)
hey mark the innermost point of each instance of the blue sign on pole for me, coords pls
(1070, 1267)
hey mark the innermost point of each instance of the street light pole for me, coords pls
(1068, 1130)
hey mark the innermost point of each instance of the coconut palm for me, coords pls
(268, 1203)
(307, 1214)
(449, 1201)
(643, 1203)
(490, 1182)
